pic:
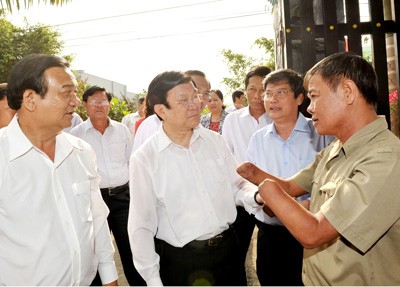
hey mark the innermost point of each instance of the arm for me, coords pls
(143, 222)
(311, 230)
(256, 176)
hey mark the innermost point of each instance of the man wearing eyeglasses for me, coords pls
(239, 126)
(152, 123)
(282, 148)
(112, 143)
(184, 190)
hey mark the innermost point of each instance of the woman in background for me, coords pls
(215, 119)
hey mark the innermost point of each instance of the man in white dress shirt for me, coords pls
(53, 221)
(151, 124)
(184, 189)
(130, 119)
(238, 100)
(112, 144)
(239, 126)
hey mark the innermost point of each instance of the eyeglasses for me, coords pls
(206, 96)
(185, 100)
(103, 102)
(279, 94)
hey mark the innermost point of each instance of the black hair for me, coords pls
(338, 66)
(94, 89)
(261, 71)
(29, 73)
(161, 84)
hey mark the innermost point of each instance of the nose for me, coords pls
(311, 107)
(75, 101)
(260, 93)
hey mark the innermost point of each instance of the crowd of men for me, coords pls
(182, 200)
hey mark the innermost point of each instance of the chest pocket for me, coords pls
(83, 198)
(328, 189)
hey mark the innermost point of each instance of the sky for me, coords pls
(130, 42)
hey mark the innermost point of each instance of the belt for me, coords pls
(211, 242)
(109, 191)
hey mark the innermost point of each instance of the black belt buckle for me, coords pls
(216, 240)
(110, 191)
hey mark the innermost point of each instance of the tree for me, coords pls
(239, 64)
(18, 42)
(8, 4)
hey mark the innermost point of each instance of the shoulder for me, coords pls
(78, 129)
(80, 145)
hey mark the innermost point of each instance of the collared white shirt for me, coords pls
(129, 121)
(113, 149)
(76, 120)
(231, 108)
(182, 194)
(146, 129)
(239, 126)
(283, 158)
(53, 221)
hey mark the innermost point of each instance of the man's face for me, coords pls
(56, 109)
(184, 111)
(203, 87)
(141, 108)
(6, 113)
(97, 106)
(282, 106)
(241, 100)
(327, 106)
(254, 92)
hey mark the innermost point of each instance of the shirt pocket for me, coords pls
(328, 189)
(82, 195)
(214, 170)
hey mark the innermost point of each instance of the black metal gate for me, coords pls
(308, 30)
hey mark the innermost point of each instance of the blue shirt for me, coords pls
(283, 158)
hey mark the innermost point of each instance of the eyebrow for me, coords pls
(68, 86)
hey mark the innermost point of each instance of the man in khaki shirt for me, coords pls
(351, 232)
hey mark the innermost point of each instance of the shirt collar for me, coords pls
(301, 126)
(164, 141)
(21, 144)
(363, 136)
(89, 125)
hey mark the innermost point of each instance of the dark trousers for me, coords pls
(279, 257)
(209, 265)
(118, 224)
(244, 227)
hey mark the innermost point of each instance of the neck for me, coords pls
(256, 112)
(356, 121)
(42, 138)
(100, 124)
(216, 116)
(284, 127)
(181, 138)
(238, 106)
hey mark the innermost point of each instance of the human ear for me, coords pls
(300, 99)
(28, 99)
(350, 91)
(160, 110)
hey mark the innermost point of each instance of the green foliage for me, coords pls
(8, 4)
(18, 42)
(239, 64)
(119, 109)
(133, 103)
